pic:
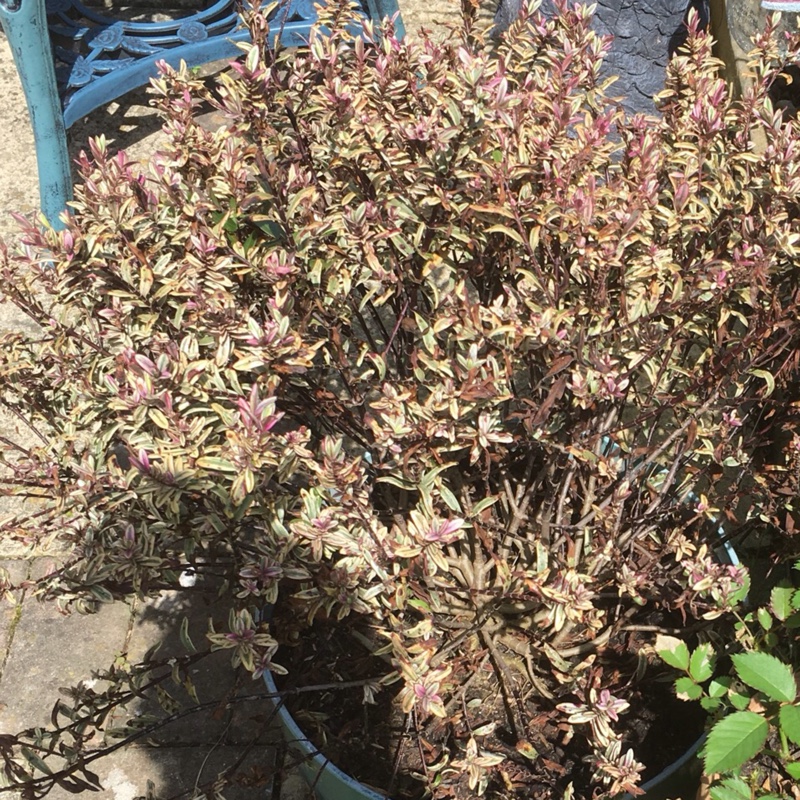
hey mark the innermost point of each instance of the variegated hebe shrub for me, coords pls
(435, 339)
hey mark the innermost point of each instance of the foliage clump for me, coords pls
(432, 339)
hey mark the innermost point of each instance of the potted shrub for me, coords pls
(434, 349)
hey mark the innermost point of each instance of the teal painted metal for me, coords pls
(25, 24)
(72, 60)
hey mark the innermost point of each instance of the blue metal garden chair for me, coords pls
(72, 59)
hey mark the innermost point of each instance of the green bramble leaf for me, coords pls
(793, 769)
(789, 719)
(731, 789)
(733, 741)
(793, 622)
(687, 689)
(780, 600)
(710, 703)
(741, 594)
(701, 663)
(768, 674)
(673, 651)
(739, 700)
(719, 687)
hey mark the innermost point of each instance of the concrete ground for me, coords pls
(42, 651)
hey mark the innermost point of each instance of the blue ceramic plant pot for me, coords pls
(679, 780)
(327, 780)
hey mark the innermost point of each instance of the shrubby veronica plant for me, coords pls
(431, 340)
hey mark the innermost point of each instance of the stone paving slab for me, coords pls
(50, 651)
(234, 723)
(174, 770)
(16, 571)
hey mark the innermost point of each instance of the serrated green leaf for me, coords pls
(710, 703)
(793, 621)
(731, 789)
(793, 769)
(789, 718)
(719, 686)
(739, 700)
(734, 740)
(768, 674)
(740, 595)
(701, 663)
(687, 689)
(673, 651)
(764, 618)
(780, 600)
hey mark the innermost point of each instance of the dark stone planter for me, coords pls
(645, 36)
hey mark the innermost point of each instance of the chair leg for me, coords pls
(28, 36)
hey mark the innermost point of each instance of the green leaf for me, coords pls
(673, 651)
(767, 377)
(767, 674)
(36, 761)
(510, 232)
(214, 463)
(687, 689)
(793, 769)
(719, 686)
(701, 663)
(793, 621)
(102, 594)
(740, 595)
(482, 505)
(731, 789)
(186, 640)
(159, 418)
(734, 740)
(764, 618)
(710, 703)
(780, 600)
(789, 718)
(739, 700)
